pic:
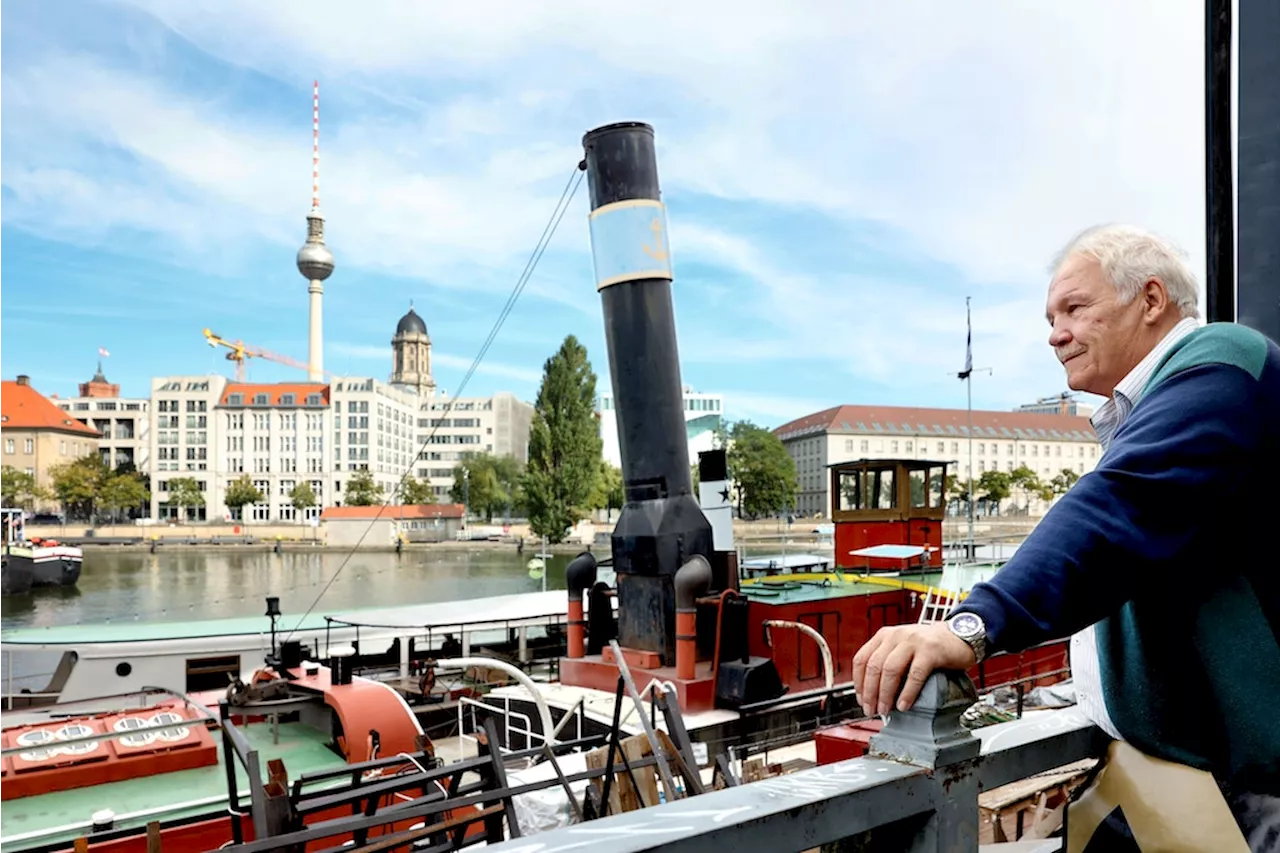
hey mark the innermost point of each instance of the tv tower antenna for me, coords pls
(315, 261)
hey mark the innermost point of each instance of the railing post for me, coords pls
(930, 735)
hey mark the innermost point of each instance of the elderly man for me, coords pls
(1158, 563)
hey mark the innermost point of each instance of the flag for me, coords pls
(968, 344)
(103, 352)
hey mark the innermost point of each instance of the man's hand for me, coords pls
(911, 650)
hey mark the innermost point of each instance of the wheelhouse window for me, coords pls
(869, 489)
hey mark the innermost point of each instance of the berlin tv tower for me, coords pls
(315, 261)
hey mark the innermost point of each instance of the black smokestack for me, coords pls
(661, 527)
(633, 275)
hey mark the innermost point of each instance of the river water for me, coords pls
(173, 585)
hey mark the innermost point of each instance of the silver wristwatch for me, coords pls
(970, 628)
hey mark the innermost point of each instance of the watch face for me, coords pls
(966, 625)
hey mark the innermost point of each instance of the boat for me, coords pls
(35, 562)
(74, 663)
(163, 763)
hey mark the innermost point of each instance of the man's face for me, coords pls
(1097, 339)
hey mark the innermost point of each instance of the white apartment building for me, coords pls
(183, 442)
(703, 415)
(277, 435)
(448, 430)
(373, 428)
(1001, 441)
(124, 423)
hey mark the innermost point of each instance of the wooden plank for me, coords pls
(153, 837)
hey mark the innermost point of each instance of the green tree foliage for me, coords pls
(763, 473)
(301, 496)
(241, 491)
(608, 492)
(414, 492)
(185, 494)
(361, 490)
(487, 484)
(121, 491)
(994, 486)
(564, 444)
(1062, 483)
(19, 488)
(77, 484)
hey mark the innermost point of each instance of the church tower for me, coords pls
(411, 355)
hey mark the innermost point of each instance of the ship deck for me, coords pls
(63, 816)
(818, 586)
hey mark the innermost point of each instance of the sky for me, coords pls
(839, 177)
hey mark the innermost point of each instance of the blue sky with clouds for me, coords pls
(839, 177)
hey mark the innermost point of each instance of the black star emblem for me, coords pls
(724, 494)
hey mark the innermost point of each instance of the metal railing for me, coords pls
(917, 789)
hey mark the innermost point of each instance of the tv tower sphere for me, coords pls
(315, 261)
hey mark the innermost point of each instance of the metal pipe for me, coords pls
(579, 575)
(544, 713)
(828, 668)
(691, 580)
(715, 657)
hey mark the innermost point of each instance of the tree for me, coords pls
(241, 491)
(19, 488)
(487, 485)
(301, 496)
(362, 490)
(185, 494)
(762, 471)
(1025, 480)
(564, 443)
(414, 492)
(123, 491)
(608, 493)
(1062, 483)
(76, 484)
(994, 486)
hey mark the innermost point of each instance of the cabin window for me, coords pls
(211, 673)
(926, 487)
(873, 489)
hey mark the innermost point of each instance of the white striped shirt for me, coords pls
(1110, 415)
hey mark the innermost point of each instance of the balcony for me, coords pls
(916, 791)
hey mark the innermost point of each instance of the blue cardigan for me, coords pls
(1169, 545)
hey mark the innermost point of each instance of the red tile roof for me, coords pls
(23, 407)
(274, 391)
(908, 421)
(395, 511)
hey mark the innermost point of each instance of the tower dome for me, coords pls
(410, 324)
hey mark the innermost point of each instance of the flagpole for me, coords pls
(968, 384)
(967, 376)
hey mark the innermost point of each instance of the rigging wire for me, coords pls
(548, 231)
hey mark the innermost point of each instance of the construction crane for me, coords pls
(239, 351)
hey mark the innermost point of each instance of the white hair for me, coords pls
(1130, 257)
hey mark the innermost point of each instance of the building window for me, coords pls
(8, 445)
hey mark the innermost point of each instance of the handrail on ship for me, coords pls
(924, 767)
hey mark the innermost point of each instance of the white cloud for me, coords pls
(989, 131)
(492, 368)
(440, 359)
(982, 134)
(769, 409)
